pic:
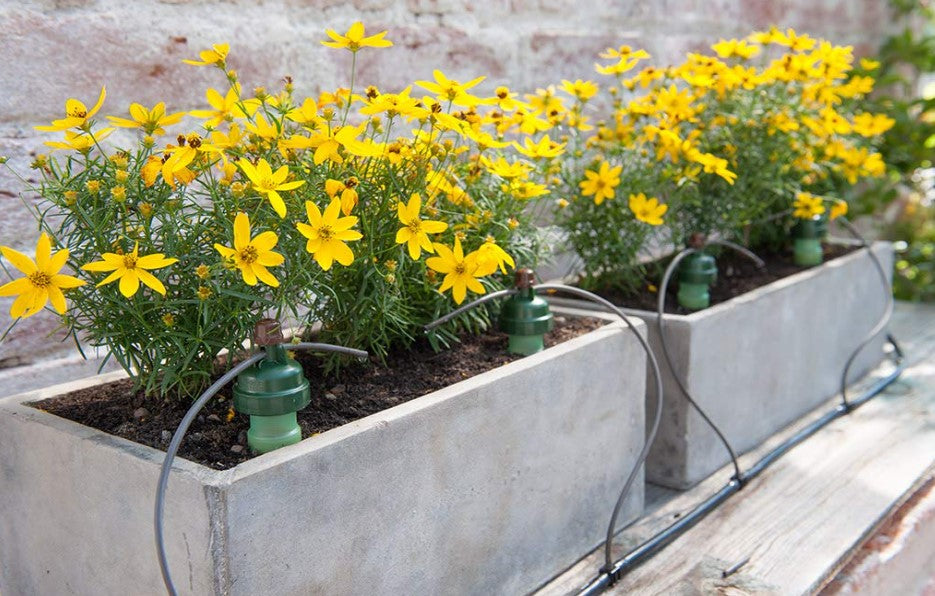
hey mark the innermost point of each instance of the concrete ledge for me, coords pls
(491, 485)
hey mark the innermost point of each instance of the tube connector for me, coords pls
(696, 274)
(525, 316)
(271, 392)
(806, 241)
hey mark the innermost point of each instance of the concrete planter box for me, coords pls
(492, 485)
(761, 360)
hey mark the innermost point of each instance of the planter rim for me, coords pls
(15, 405)
(774, 286)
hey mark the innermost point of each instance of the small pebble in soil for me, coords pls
(242, 437)
(214, 418)
(140, 413)
(337, 389)
(331, 396)
(236, 448)
(166, 436)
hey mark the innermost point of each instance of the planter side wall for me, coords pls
(83, 503)
(758, 362)
(490, 486)
(765, 359)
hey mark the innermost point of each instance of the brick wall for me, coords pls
(51, 50)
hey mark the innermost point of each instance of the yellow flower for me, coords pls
(807, 205)
(328, 144)
(119, 193)
(76, 114)
(131, 269)
(42, 283)
(501, 167)
(226, 107)
(151, 121)
(267, 182)
(354, 39)
(728, 48)
(347, 191)
(450, 90)
(252, 256)
(203, 293)
(647, 210)
(544, 148)
(491, 257)
(93, 186)
(216, 55)
(838, 209)
(580, 90)
(871, 125)
(79, 141)
(416, 231)
(461, 272)
(602, 183)
(328, 233)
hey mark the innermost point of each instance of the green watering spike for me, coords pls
(807, 235)
(271, 392)
(525, 316)
(696, 274)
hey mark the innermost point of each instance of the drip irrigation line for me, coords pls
(473, 304)
(651, 436)
(887, 311)
(186, 423)
(611, 574)
(660, 328)
(647, 549)
(657, 418)
(760, 263)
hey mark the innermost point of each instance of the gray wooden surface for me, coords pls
(798, 523)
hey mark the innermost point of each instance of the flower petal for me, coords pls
(18, 260)
(152, 281)
(241, 231)
(129, 283)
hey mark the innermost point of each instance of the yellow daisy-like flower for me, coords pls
(415, 232)
(131, 269)
(252, 255)
(838, 209)
(42, 283)
(328, 233)
(216, 55)
(647, 210)
(267, 182)
(601, 183)
(461, 272)
(354, 39)
(491, 257)
(76, 114)
(807, 205)
(151, 121)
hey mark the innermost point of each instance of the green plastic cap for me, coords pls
(817, 228)
(525, 313)
(273, 386)
(698, 268)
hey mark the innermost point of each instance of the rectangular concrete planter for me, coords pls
(761, 360)
(492, 485)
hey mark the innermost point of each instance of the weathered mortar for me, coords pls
(56, 49)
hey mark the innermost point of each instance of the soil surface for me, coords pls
(737, 275)
(218, 437)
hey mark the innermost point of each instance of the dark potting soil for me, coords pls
(737, 275)
(218, 437)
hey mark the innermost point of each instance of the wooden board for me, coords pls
(799, 522)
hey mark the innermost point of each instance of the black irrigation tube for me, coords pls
(611, 574)
(651, 357)
(183, 428)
